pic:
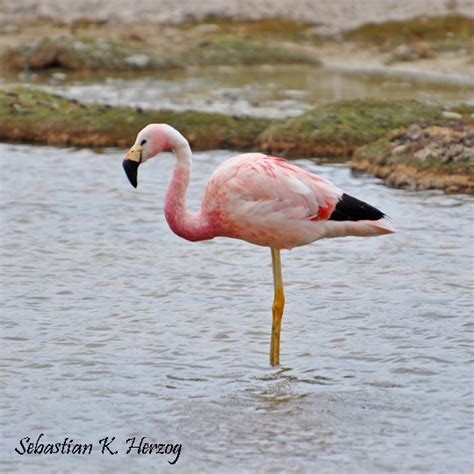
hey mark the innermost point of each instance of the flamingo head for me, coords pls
(150, 141)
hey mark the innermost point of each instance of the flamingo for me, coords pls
(261, 199)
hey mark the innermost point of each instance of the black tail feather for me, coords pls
(349, 208)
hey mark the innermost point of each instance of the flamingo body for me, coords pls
(268, 201)
(261, 199)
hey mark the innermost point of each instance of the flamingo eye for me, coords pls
(142, 142)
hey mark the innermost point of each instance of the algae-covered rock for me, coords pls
(231, 50)
(99, 54)
(32, 116)
(412, 52)
(83, 54)
(339, 128)
(423, 156)
(445, 33)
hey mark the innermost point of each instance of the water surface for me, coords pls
(112, 325)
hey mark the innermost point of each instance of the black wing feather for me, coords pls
(349, 208)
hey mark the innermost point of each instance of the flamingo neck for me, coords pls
(183, 223)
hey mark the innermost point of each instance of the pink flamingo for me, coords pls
(261, 199)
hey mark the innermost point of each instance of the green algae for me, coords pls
(339, 128)
(331, 130)
(232, 50)
(334, 129)
(77, 54)
(282, 29)
(447, 33)
(32, 116)
(83, 53)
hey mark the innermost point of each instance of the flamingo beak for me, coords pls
(132, 162)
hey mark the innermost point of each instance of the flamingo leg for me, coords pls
(277, 308)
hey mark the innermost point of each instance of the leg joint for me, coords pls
(279, 303)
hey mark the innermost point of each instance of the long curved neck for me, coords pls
(189, 226)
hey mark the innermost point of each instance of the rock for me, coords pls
(58, 76)
(79, 46)
(27, 76)
(423, 157)
(296, 94)
(414, 132)
(468, 139)
(425, 50)
(400, 149)
(439, 133)
(412, 52)
(422, 154)
(451, 115)
(139, 61)
(428, 153)
(454, 151)
(403, 53)
(102, 44)
(466, 156)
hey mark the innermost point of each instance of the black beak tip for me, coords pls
(131, 169)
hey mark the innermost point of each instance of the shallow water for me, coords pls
(113, 326)
(273, 91)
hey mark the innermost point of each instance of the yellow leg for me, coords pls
(277, 308)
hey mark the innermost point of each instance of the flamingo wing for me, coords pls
(269, 201)
(257, 184)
